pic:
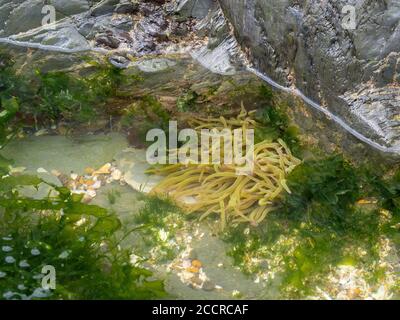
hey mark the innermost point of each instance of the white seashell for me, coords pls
(96, 185)
(74, 176)
(116, 175)
(186, 263)
(41, 170)
(163, 235)
(186, 276)
(80, 222)
(91, 193)
(133, 258)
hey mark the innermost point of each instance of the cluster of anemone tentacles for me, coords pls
(219, 189)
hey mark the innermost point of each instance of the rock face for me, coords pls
(178, 47)
(355, 73)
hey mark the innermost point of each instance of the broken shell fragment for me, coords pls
(89, 171)
(197, 264)
(193, 270)
(103, 170)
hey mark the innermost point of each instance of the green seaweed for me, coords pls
(48, 97)
(187, 101)
(77, 239)
(318, 226)
(276, 124)
(157, 216)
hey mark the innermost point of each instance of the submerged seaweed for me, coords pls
(77, 239)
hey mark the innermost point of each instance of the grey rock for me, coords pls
(70, 7)
(108, 41)
(104, 7)
(194, 8)
(21, 16)
(127, 7)
(208, 285)
(304, 43)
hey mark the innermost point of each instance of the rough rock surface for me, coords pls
(355, 73)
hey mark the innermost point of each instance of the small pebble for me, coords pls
(91, 193)
(35, 252)
(116, 175)
(6, 248)
(9, 259)
(8, 295)
(24, 264)
(64, 254)
(208, 286)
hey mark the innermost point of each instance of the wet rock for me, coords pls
(155, 65)
(158, 2)
(127, 7)
(104, 7)
(305, 42)
(208, 286)
(194, 8)
(108, 41)
(119, 61)
(20, 16)
(70, 7)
